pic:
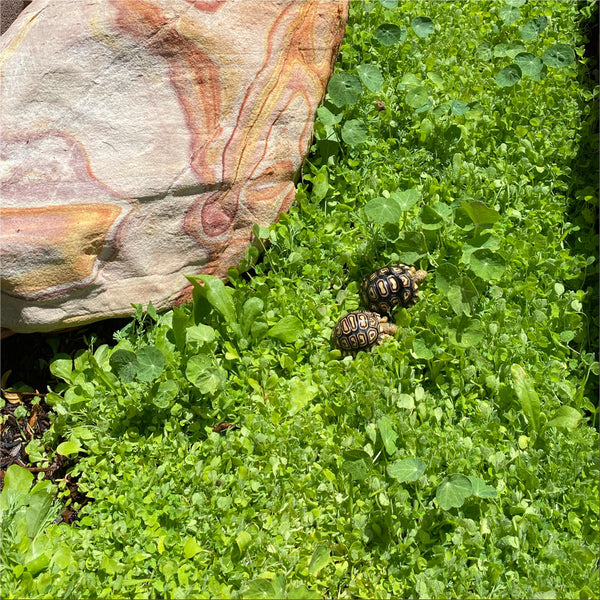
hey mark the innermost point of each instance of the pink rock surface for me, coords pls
(142, 139)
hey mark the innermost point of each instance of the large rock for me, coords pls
(142, 139)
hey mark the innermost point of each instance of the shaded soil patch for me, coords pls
(26, 377)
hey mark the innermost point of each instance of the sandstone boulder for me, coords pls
(142, 139)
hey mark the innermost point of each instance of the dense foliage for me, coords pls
(459, 459)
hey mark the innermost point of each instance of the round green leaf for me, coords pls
(406, 470)
(509, 14)
(487, 264)
(124, 364)
(558, 56)
(344, 89)
(383, 210)
(422, 26)
(534, 28)
(417, 97)
(354, 132)
(406, 198)
(484, 51)
(508, 76)
(459, 108)
(388, 34)
(200, 333)
(529, 64)
(389, 3)
(151, 363)
(371, 76)
(453, 491)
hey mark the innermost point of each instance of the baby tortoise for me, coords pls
(388, 287)
(361, 330)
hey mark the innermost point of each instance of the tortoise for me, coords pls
(391, 286)
(361, 330)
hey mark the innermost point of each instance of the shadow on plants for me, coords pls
(583, 210)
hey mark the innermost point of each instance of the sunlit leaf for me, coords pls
(371, 76)
(383, 210)
(529, 64)
(487, 264)
(388, 34)
(422, 26)
(406, 470)
(534, 28)
(566, 417)
(320, 559)
(558, 56)
(453, 491)
(388, 435)
(528, 397)
(508, 76)
(151, 363)
(417, 97)
(344, 88)
(354, 132)
(288, 329)
(481, 488)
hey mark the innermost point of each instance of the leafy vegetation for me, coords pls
(231, 452)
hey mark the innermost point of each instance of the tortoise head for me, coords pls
(419, 276)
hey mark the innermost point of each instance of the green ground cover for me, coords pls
(459, 459)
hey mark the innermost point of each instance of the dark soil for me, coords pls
(26, 378)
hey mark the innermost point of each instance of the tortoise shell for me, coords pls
(391, 286)
(361, 330)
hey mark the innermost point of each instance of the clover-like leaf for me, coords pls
(529, 64)
(124, 364)
(371, 76)
(388, 34)
(422, 26)
(558, 56)
(509, 76)
(354, 132)
(487, 264)
(453, 491)
(344, 89)
(151, 362)
(534, 28)
(383, 210)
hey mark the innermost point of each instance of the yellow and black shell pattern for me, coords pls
(391, 286)
(359, 330)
